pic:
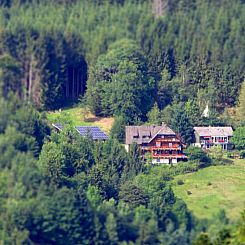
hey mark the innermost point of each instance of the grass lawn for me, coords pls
(78, 116)
(214, 188)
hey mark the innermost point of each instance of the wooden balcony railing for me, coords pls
(212, 141)
(166, 147)
(169, 155)
(168, 140)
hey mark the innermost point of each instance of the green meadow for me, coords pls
(211, 189)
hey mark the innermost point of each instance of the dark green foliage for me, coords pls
(154, 115)
(85, 192)
(148, 233)
(242, 154)
(135, 164)
(133, 195)
(203, 239)
(67, 156)
(182, 125)
(187, 49)
(48, 65)
(30, 122)
(239, 138)
(180, 182)
(164, 89)
(197, 154)
(118, 129)
(64, 218)
(12, 142)
(192, 110)
(119, 83)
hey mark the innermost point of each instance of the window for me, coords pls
(158, 160)
(158, 144)
(170, 144)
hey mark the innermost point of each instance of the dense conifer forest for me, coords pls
(141, 62)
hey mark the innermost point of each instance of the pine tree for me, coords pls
(111, 228)
(182, 125)
(154, 115)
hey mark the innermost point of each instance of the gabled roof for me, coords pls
(95, 132)
(214, 131)
(145, 133)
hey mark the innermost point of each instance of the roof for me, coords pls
(95, 132)
(146, 133)
(214, 131)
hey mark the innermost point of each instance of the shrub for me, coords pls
(209, 183)
(216, 153)
(188, 193)
(180, 182)
(197, 154)
(242, 154)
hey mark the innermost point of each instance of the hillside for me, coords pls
(79, 117)
(214, 188)
(116, 63)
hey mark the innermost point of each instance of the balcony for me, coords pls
(166, 148)
(213, 142)
(169, 156)
(168, 140)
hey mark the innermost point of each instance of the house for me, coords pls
(160, 142)
(206, 137)
(94, 132)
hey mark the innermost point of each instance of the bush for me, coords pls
(197, 154)
(222, 162)
(242, 154)
(180, 182)
(188, 193)
(216, 153)
(209, 183)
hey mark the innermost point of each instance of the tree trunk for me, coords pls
(30, 79)
(159, 7)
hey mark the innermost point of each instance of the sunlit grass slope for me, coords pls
(214, 188)
(78, 116)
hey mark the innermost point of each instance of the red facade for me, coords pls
(164, 147)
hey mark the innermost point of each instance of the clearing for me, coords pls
(214, 188)
(79, 116)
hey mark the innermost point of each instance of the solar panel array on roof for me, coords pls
(94, 132)
(58, 126)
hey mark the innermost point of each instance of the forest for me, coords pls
(140, 62)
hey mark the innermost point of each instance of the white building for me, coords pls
(206, 137)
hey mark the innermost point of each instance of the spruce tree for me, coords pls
(181, 124)
(154, 115)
